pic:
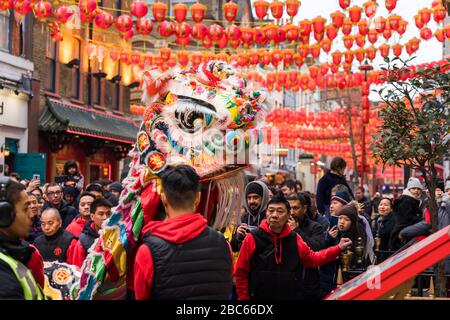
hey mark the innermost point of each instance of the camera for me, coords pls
(251, 228)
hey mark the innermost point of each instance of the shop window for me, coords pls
(50, 65)
(5, 21)
(76, 74)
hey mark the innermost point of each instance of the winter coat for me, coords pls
(272, 254)
(406, 212)
(58, 247)
(313, 235)
(76, 226)
(29, 256)
(326, 183)
(201, 257)
(85, 241)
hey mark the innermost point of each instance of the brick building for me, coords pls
(83, 104)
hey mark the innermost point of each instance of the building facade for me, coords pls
(83, 101)
(17, 99)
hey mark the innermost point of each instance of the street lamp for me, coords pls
(366, 67)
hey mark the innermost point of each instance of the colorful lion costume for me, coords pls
(205, 117)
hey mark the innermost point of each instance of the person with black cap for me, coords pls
(256, 199)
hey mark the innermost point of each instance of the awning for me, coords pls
(61, 116)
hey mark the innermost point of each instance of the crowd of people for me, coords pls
(286, 244)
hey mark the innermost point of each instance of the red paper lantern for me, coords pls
(288, 57)
(325, 44)
(230, 10)
(387, 33)
(397, 49)
(425, 15)
(363, 27)
(180, 12)
(337, 19)
(402, 27)
(360, 40)
(299, 60)
(292, 7)
(6, 5)
(159, 10)
(303, 50)
(348, 41)
(104, 20)
(426, 33)
(370, 8)
(276, 57)
(439, 13)
(347, 27)
(355, 13)
(124, 23)
(318, 24)
(305, 27)
(344, 4)
(440, 35)
(198, 12)
(390, 4)
(207, 42)
(447, 31)
(360, 54)
(280, 35)
(371, 52)
(183, 30)
(166, 29)
(331, 32)
(319, 36)
(144, 26)
(292, 32)
(247, 35)
(418, 21)
(372, 36)
(348, 56)
(261, 8)
(42, 9)
(315, 50)
(276, 8)
(337, 57)
(233, 32)
(22, 7)
(216, 32)
(139, 9)
(62, 14)
(394, 21)
(384, 50)
(380, 24)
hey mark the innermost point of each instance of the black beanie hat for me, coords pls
(254, 187)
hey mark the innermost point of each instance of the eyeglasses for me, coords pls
(56, 193)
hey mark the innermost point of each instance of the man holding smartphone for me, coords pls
(256, 199)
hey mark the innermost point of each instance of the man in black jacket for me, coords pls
(257, 197)
(17, 281)
(54, 194)
(56, 244)
(313, 234)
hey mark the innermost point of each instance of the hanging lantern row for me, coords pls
(319, 78)
(234, 36)
(276, 8)
(334, 120)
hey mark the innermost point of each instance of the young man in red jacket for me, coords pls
(272, 257)
(84, 209)
(181, 257)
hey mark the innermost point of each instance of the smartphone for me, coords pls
(37, 177)
(333, 221)
(251, 228)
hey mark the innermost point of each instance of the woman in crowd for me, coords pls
(383, 228)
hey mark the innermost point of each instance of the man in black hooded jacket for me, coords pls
(257, 197)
